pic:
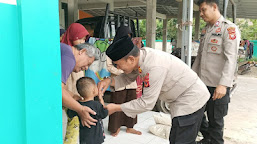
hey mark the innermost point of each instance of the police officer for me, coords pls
(215, 64)
(165, 77)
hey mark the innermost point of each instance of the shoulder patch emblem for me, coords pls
(232, 33)
(231, 30)
(232, 36)
(214, 41)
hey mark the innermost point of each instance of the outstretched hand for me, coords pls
(112, 108)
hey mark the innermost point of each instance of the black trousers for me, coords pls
(216, 110)
(184, 129)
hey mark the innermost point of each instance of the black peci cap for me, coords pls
(120, 48)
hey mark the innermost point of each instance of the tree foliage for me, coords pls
(248, 28)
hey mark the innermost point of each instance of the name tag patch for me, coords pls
(216, 34)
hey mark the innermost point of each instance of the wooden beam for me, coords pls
(150, 23)
(161, 16)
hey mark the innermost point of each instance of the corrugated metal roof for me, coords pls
(245, 8)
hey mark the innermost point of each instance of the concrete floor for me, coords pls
(240, 123)
(145, 120)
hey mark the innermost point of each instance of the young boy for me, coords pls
(88, 90)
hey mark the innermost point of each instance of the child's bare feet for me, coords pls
(116, 133)
(133, 131)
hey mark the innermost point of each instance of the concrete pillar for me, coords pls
(150, 23)
(197, 25)
(164, 35)
(111, 8)
(225, 5)
(73, 11)
(179, 32)
(62, 14)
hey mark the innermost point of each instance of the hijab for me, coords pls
(74, 32)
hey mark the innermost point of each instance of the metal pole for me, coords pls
(225, 5)
(197, 25)
(104, 23)
(128, 21)
(184, 18)
(164, 35)
(234, 13)
(190, 19)
(138, 32)
(118, 20)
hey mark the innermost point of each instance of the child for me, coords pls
(88, 90)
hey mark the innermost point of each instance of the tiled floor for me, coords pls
(145, 120)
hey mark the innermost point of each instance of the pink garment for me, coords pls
(138, 42)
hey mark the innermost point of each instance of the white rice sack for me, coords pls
(162, 118)
(160, 130)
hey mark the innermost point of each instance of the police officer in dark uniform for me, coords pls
(216, 64)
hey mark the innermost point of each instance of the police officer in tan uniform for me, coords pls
(165, 77)
(215, 64)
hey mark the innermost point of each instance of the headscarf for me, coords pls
(74, 32)
(121, 32)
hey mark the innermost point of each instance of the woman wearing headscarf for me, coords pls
(121, 95)
(74, 35)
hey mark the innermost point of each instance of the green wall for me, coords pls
(31, 108)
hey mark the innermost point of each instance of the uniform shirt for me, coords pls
(165, 77)
(216, 61)
(114, 72)
(67, 61)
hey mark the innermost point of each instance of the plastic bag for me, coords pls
(162, 118)
(160, 130)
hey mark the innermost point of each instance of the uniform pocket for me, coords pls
(214, 45)
(220, 111)
(187, 120)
